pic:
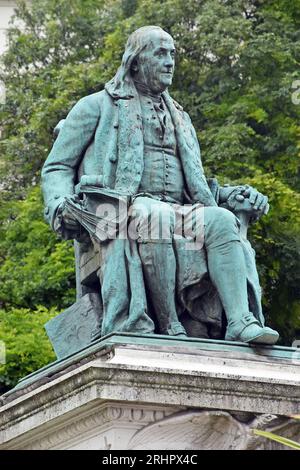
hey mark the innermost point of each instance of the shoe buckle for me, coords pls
(248, 319)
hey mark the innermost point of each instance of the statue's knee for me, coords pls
(228, 223)
(220, 220)
(226, 218)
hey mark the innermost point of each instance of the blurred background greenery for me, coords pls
(237, 61)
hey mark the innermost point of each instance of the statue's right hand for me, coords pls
(65, 223)
(69, 221)
(68, 226)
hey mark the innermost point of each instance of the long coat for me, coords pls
(103, 136)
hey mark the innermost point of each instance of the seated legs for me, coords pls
(154, 224)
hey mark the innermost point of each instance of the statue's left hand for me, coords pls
(258, 201)
(245, 199)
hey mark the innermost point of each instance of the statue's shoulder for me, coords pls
(183, 113)
(93, 104)
(180, 109)
(177, 105)
(90, 107)
(94, 99)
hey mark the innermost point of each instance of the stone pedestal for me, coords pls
(156, 392)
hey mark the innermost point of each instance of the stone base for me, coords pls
(156, 393)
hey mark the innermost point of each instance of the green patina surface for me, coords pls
(132, 143)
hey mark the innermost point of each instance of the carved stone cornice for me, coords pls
(141, 376)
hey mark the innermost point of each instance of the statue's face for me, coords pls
(155, 65)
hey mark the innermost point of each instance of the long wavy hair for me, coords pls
(121, 85)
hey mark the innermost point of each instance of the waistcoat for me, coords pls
(162, 175)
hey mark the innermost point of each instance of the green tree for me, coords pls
(36, 268)
(236, 63)
(26, 345)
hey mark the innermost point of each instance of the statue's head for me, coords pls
(154, 64)
(148, 59)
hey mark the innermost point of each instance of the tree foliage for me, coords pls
(36, 268)
(236, 64)
(26, 345)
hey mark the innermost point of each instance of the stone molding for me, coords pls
(131, 387)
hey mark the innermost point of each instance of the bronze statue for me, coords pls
(127, 160)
